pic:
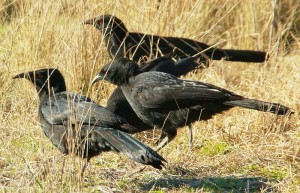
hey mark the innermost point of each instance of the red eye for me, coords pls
(40, 76)
(100, 22)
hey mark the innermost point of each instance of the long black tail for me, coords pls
(132, 148)
(260, 106)
(236, 55)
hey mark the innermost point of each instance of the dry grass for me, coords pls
(234, 150)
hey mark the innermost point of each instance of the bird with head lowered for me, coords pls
(75, 124)
(167, 102)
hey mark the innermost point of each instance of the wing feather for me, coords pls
(161, 90)
(66, 106)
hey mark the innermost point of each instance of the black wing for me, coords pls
(186, 65)
(161, 90)
(160, 64)
(75, 108)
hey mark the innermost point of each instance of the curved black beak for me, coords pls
(97, 78)
(22, 75)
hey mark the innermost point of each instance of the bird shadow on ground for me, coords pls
(213, 184)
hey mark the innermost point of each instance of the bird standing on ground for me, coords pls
(118, 104)
(75, 124)
(136, 46)
(167, 102)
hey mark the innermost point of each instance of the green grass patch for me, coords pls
(214, 147)
(272, 172)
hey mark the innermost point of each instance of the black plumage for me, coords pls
(117, 102)
(136, 46)
(75, 124)
(167, 102)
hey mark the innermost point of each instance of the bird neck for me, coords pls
(123, 75)
(46, 91)
(116, 33)
(43, 94)
(133, 71)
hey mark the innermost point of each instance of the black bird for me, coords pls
(75, 124)
(122, 43)
(165, 101)
(118, 104)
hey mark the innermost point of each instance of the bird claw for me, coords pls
(158, 141)
(161, 138)
(163, 143)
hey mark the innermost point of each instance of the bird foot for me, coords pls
(162, 144)
(161, 138)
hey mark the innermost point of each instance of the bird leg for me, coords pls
(190, 136)
(168, 136)
(162, 136)
(86, 160)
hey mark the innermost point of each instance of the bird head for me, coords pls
(117, 72)
(106, 23)
(45, 79)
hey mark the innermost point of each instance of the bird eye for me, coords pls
(104, 71)
(100, 22)
(40, 76)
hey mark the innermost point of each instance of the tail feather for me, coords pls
(129, 128)
(237, 55)
(132, 148)
(260, 106)
(154, 64)
(185, 65)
